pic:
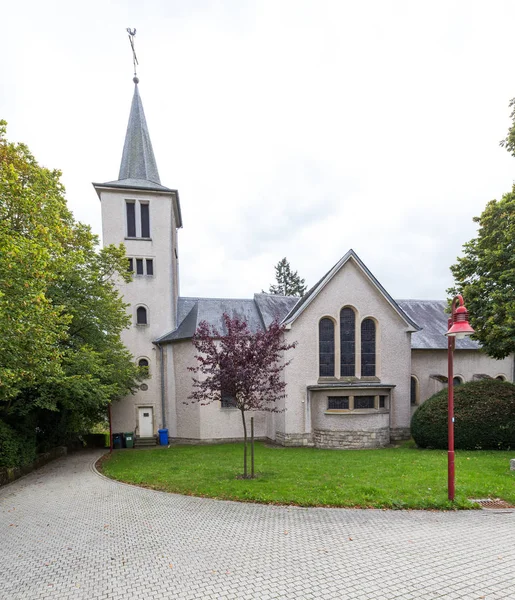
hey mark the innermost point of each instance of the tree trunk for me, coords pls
(252, 447)
(244, 444)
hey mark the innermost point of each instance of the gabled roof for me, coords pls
(432, 318)
(306, 300)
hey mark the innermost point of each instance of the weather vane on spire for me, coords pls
(132, 33)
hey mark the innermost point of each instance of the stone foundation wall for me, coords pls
(400, 434)
(11, 474)
(351, 439)
(294, 439)
(208, 441)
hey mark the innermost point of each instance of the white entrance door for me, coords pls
(145, 422)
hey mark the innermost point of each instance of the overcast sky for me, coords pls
(290, 128)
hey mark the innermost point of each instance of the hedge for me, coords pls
(484, 417)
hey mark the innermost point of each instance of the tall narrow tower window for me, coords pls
(150, 266)
(145, 221)
(131, 219)
(139, 266)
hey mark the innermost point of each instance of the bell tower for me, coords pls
(138, 211)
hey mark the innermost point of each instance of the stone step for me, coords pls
(143, 442)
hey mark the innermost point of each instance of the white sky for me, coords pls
(290, 128)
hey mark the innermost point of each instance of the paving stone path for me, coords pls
(66, 532)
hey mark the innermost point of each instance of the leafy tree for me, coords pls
(509, 141)
(61, 357)
(241, 365)
(35, 226)
(485, 275)
(288, 282)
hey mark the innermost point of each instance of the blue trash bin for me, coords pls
(163, 437)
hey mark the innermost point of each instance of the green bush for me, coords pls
(484, 417)
(16, 448)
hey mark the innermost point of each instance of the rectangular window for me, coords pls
(228, 402)
(338, 403)
(361, 402)
(131, 219)
(130, 266)
(139, 266)
(145, 221)
(382, 401)
(150, 266)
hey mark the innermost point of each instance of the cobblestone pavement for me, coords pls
(66, 532)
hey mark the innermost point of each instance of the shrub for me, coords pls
(17, 448)
(484, 417)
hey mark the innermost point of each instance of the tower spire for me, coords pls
(138, 160)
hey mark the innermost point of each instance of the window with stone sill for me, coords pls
(347, 342)
(228, 402)
(350, 403)
(141, 316)
(144, 266)
(137, 215)
(413, 391)
(326, 347)
(228, 398)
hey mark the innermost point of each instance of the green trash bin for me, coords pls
(129, 439)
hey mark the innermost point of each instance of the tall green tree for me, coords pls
(35, 227)
(485, 275)
(288, 282)
(509, 141)
(61, 357)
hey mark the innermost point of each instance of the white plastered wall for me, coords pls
(467, 363)
(349, 287)
(157, 293)
(209, 422)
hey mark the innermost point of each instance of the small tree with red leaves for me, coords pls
(243, 366)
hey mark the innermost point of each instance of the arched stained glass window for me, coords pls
(368, 348)
(347, 343)
(326, 347)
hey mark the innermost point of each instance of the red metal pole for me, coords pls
(110, 429)
(450, 412)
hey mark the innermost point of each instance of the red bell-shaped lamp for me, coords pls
(460, 326)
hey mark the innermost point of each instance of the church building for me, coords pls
(363, 360)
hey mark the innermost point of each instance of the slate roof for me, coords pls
(138, 160)
(431, 317)
(138, 168)
(191, 311)
(272, 307)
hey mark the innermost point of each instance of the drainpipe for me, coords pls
(161, 359)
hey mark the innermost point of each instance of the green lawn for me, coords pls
(403, 477)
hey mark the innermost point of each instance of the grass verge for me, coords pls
(398, 478)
